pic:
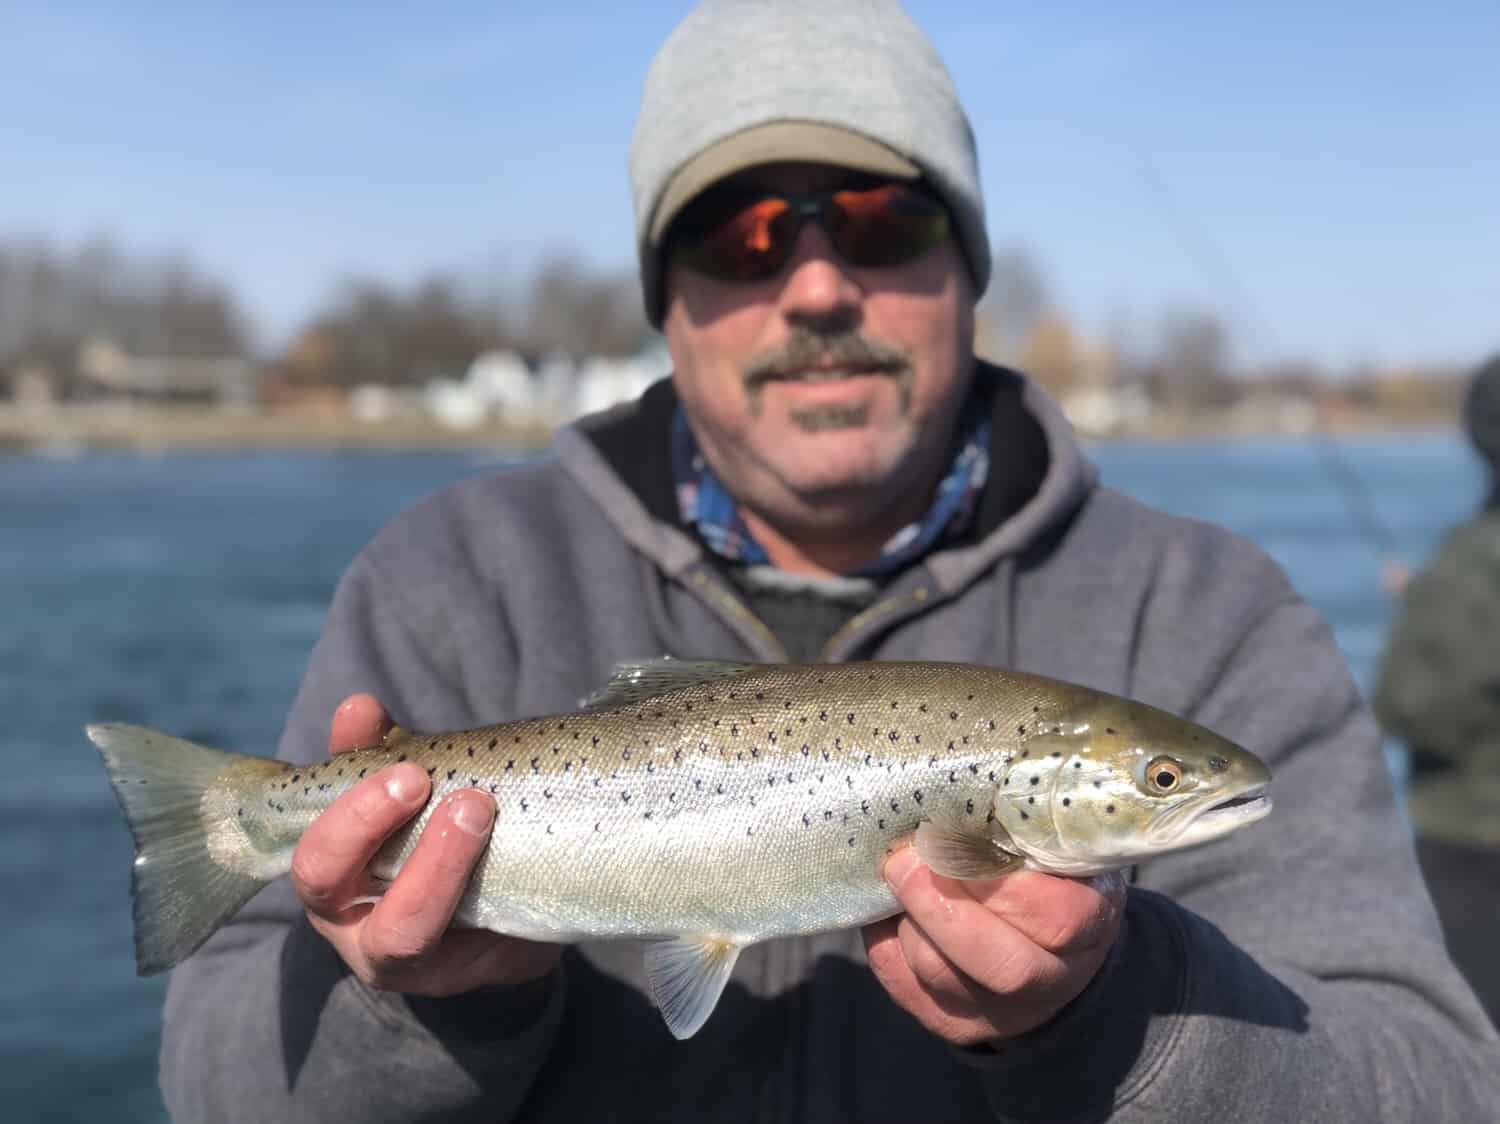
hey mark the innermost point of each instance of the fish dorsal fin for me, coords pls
(956, 849)
(646, 679)
(687, 975)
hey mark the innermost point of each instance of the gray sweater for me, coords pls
(1291, 972)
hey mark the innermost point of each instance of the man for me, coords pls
(831, 475)
(1439, 691)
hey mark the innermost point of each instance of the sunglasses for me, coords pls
(746, 234)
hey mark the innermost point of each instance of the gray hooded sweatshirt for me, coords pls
(1293, 971)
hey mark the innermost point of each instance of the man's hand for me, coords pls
(980, 962)
(402, 943)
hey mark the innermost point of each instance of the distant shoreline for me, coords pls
(155, 430)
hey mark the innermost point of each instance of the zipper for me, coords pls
(731, 606)
(875, 614)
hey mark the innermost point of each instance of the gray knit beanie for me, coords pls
(847, 82)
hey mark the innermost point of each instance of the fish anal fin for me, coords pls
(955, 849)
(687, 975)
(646, 679)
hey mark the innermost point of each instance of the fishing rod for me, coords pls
(1358, 500)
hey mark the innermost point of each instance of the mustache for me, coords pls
(806, 349)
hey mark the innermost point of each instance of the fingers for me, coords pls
(328, 866)
(1006, 944)
(358, 723)
(410, 920)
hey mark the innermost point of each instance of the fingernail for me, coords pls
(900, 865)
(473, 814)
(404, 785)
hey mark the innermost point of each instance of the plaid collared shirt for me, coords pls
(706, 504)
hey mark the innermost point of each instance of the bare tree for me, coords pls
(1013, 306)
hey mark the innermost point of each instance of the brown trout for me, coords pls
(703, 806)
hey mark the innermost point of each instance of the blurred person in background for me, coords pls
(830, 474)
(1439, 692)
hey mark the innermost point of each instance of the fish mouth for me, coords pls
(1235, 811)
(1186, 824)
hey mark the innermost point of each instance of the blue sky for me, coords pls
(1342, 159)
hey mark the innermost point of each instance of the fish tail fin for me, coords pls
(181, 889)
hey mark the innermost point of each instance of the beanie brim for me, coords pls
(772, 143)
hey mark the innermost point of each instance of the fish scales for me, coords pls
(703, 807)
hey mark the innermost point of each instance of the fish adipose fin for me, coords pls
(956, 849)
(179, 892)
(646, 679)
(687, 975)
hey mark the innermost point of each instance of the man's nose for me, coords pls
(818, 287)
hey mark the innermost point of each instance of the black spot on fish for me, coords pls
(494, 788)
(1036, 780)
(851, 840)
(1031, 800)
(677, 755)
(1067, 801)
(296, 777)
(471, 751)
(851, 718)
(822, 716)
(625, 797)
(698, 783)
(1025, 753)
(805, 821)
(650, 766)
(596, 739)
(432, 770)
(895, 736)
(922, 707)
(648, 815)
(953, 714)
(401, 758)
(549, 829)
(511, 764)
(1109, 729)
(671, 798)
(1110, 808)
(1024, 816)
(534, 767)
(525, 807)
(895, 807)
(362, 772)
(626, 755)
(494, 742)
(917, 796)
(974, 768)
(1098, 784)
(451, 772)
(880, 824)
(969, 807)
(596, 826)
(1078, 764)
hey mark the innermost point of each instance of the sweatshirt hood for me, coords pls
(1038, 478)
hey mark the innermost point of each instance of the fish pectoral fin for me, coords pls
(395, 734)
(687, 975)
(958, 850)
(646, 679)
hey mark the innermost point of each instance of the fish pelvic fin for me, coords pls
(687, 975)
(956, 849)
(180, 891)
(645, 679)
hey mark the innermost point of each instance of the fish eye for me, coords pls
(1164, 775)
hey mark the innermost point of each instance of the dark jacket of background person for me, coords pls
(1291, 972)
(1439, 692)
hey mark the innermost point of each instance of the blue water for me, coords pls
(186, 592)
